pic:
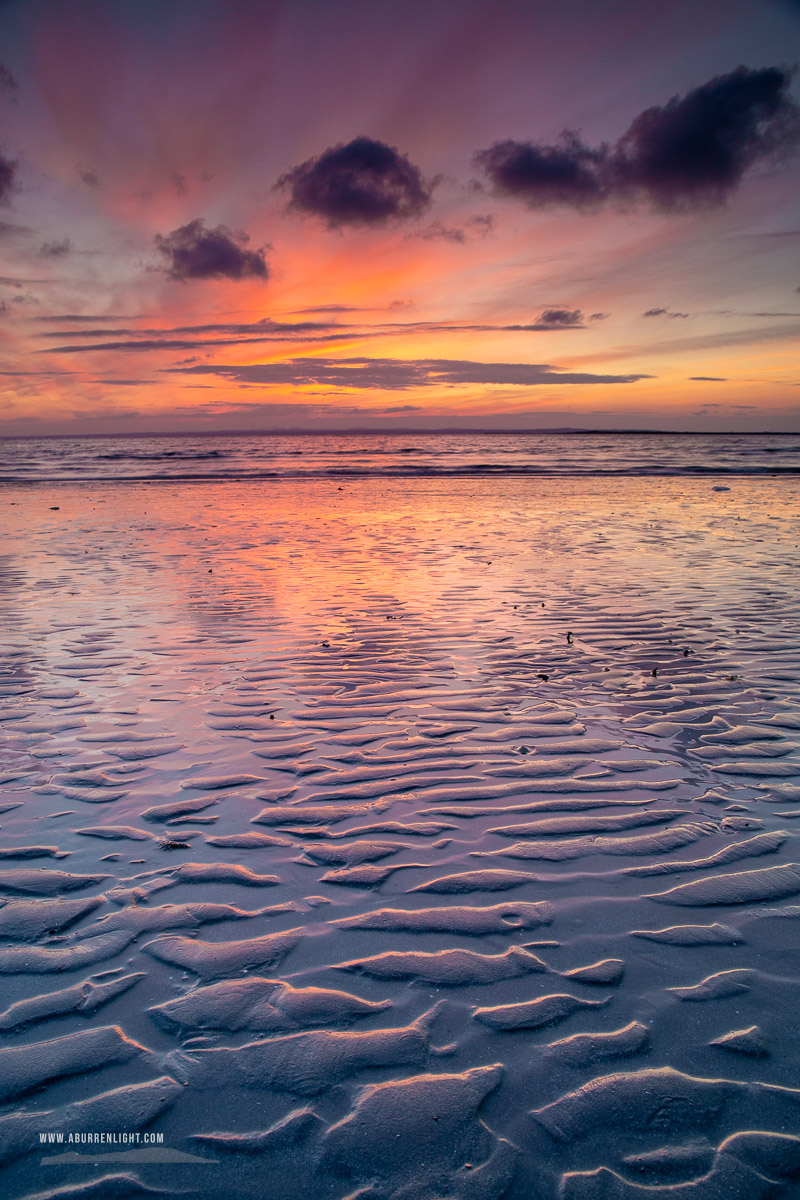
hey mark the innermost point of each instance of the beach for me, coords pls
(401, 837)
(399, 600)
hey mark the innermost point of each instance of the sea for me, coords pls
(242, 456)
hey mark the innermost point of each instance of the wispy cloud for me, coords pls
(193, 337)
(478, 226)
(58, 248)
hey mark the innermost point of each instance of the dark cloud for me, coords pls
(8, 171)
(8, 83)
(362, 183)
(479, 226)
(56, 249)
(37, 374)
(90, 177)
(397, 374)
(695, 150)
(333, 308)
(394, 306)
(707, 379)
(194, 337)
(183, 344)
(21, 292)
(599, 316)
(663, 312)
(84, 333)
(196, 252)
(78, 317)
(750, 407)
(690, 153)
(549, 319)
(482, 224)
(568, 172)
(437, 232)
(559, 318)
(266, 326)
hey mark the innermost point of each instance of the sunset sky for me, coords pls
(378, 214)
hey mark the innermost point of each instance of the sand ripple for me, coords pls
(382, 745)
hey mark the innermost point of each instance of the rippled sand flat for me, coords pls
(401, 839)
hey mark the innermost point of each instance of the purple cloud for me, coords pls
(690, 153)
(362, 183)
(442, 233)
(568, 173)
(8, 83)
(398, 374)
(559, 318)
(89, 176)
(549, 319)
(55, 249)
(479, 226)
(8, 170)
(195, 252)
(694, 151)
(193, 337)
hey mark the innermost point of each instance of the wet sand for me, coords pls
(401, 840)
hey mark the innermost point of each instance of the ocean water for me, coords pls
(260, 456)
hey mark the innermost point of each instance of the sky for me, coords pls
(399, 214)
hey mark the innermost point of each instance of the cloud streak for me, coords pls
(395, 374)
(266, 330)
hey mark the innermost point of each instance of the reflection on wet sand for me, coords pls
(337, 823)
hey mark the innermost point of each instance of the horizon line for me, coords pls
(410, 432)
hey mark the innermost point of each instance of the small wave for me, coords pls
(164, 456)
(485, 470)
